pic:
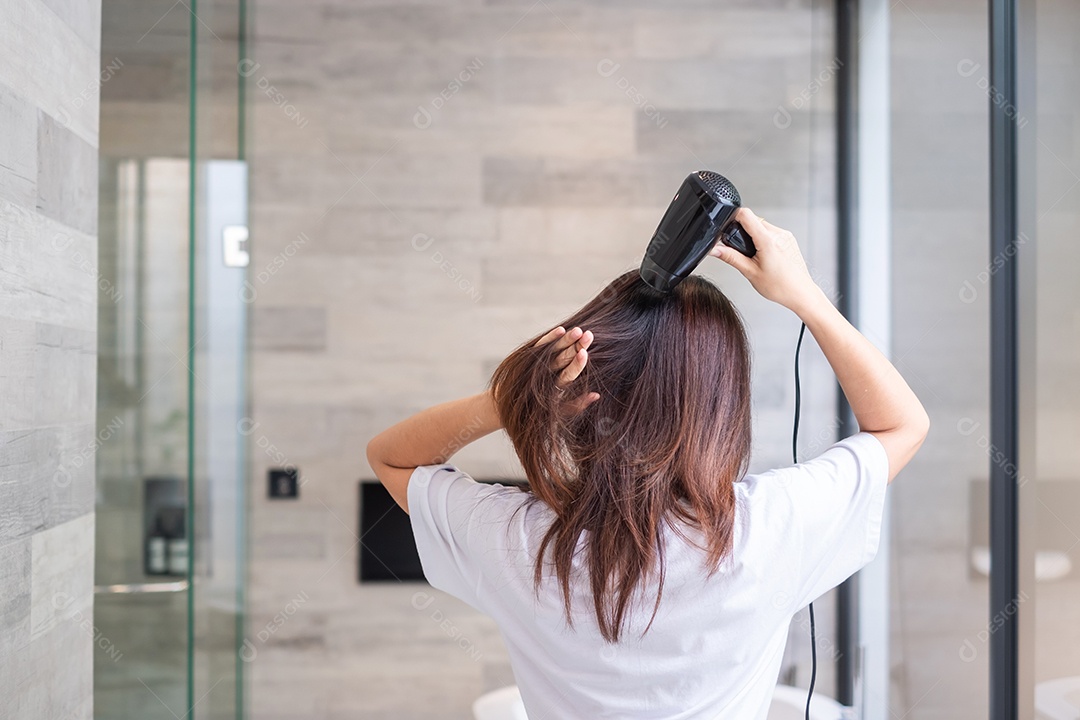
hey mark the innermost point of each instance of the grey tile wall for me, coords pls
(431, 183)
(67, 176)
(48, 295)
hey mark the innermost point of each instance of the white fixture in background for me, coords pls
(789, 703)
(1049, 565)
(502, 704)
(1058, 699)
(234, 245)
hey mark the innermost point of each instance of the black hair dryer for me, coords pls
(701, 214)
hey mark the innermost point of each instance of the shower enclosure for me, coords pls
(170, 568)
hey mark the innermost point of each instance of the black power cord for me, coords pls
(795, 459)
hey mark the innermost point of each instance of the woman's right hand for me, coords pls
(777, 271)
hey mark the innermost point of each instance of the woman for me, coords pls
(642, 574)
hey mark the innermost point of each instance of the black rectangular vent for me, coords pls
(387, 548)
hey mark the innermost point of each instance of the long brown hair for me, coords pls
(667, 439)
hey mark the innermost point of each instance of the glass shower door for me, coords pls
(172, 392)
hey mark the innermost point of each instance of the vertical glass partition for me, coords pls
(1052, 595)
(219, 391)
(141, 587)
(941, 320)
(171, 374)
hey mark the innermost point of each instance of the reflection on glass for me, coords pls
(141, 557)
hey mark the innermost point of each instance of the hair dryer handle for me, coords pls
(735, 237)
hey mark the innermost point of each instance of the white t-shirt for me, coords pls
(715, 647)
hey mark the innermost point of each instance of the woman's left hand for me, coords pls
(571, 354)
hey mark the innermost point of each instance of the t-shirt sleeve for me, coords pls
(455, 522)
(837, 503)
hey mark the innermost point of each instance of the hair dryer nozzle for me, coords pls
(701, 213)
(657, 277)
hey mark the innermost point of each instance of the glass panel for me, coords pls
(1056, 537)
(164, 344)
(940, 184)
(142, 377)
(219, 387)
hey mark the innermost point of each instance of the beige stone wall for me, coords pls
(431, 184)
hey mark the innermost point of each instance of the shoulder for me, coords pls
(857, 454)
(855, 465)
(447, 491)
(469, 534)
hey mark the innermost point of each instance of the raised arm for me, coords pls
(428, 438)
(434, 435)
(881, 400)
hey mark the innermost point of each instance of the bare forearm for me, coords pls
(434, 435)
(882, 402)
(430, 437)
(880, 398)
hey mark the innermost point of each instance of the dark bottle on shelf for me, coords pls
(157, 550)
